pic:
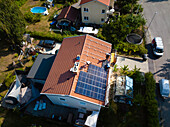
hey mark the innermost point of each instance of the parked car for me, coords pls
(157, 46)
(47, 43)
(88, 30)
(164, 88)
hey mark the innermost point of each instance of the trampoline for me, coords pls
(134, 38)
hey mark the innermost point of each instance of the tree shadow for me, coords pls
(164, 72)
(6, 49)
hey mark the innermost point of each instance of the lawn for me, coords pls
(44, 24)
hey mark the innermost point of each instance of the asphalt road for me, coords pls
(160, 67)
(160, 26)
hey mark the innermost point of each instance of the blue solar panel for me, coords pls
(92, 83)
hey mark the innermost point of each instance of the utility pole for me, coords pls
(151, 20)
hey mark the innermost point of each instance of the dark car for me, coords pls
(47, 43)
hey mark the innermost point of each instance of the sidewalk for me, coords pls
(131, 62)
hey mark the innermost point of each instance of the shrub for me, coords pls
(16, 55)
(115, 69)
(124, 70)
(9, 79)
(42, 35)
(32, 18)
(51, 18)
(150, 101)
(19, 3)
(129, 49)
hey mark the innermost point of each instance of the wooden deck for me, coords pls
(56, 112)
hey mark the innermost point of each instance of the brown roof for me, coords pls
(106, 2)
(60, 80)
(69, 13)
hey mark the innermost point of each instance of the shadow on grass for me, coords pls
(5, 49)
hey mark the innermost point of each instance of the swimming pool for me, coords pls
(42, 10)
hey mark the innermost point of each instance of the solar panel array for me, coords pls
(92, 83)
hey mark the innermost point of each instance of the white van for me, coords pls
(164, 87)
(157, 46)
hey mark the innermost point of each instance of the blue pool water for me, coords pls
(38, 9)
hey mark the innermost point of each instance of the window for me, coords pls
(86, 9)
(102, 19)
(82, 103)
(86, 18)
(103, 11)
(62, 99)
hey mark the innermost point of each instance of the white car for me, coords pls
(157, 46)
(88, 30)
(164, 88)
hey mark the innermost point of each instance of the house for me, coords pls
(124, 89)
(41, 68)
(96, 11)
(69, 15)
(78, 76)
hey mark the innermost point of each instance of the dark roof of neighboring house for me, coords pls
(106, 2)
(60, 80)
(41, 67)
(69, 13)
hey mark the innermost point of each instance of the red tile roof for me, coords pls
(69, 13)
(106, 2)
(60, 80)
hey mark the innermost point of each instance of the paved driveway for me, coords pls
(131, 62)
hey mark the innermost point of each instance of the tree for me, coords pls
(117, 30)
(126, 6)
(12, 22)
(135, 21)
(124, 70)
(150, 101)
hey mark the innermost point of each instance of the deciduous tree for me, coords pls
(12, 22)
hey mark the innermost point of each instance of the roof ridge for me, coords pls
(80, 58)
(67, 11)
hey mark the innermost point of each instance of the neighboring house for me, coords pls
(124, 89)
(69, 15)
(95, 11)
(41, 68)
(78, 76)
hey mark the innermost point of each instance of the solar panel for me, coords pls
(92, 69)
(92, 84)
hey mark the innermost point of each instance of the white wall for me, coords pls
(73, 102)
(94, 12)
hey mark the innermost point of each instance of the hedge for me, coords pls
(51, 36)
(151, 104)
(130, 49)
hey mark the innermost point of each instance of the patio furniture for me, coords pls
(40, 105)
(36, 106)
(44, 105)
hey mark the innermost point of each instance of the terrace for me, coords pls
(56, 112)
